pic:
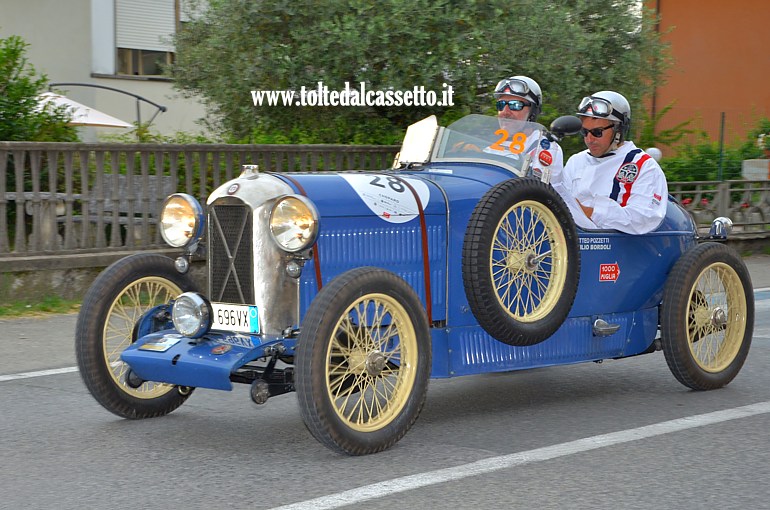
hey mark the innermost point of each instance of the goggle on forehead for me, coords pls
(512, 86)
(598, 107)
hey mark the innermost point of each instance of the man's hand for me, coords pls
(588, 211)
(465, 147)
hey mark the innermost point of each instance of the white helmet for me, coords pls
(608, 105)
(522, 86)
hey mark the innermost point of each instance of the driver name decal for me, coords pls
(609, 272)
(388, 197)
(595, 243)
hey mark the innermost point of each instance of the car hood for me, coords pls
(392, 195)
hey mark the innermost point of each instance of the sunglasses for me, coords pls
(514, 104)
(596, 132)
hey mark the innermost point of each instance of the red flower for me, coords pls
(686, 201)
(704, 201)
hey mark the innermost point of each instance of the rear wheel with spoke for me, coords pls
(707, 317)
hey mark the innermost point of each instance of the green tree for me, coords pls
(571, 48)
(650, 136)
(700, 160)
(20, 116)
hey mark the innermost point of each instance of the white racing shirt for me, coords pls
(626, 188)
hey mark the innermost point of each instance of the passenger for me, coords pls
(612, 184)
(519, 98)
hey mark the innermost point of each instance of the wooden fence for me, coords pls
(74, 198)
(61, 198)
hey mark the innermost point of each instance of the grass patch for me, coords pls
(49, 305)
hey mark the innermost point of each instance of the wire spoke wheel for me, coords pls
(113, 306)
(521, 261)
(707, 316)
(372, 359)
(128, 307)
(527, 261)
(717, 318)
(363, 361)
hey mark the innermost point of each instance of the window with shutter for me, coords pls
(143, 32)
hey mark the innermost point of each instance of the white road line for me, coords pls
(41, 373)
(406, 483)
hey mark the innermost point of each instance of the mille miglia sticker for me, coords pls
(609, 272)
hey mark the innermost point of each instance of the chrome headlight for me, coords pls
(191, 315)
(294, 223)
(721, 228)
(181, 220)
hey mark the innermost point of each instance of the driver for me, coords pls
(519, 99)
(612, 184)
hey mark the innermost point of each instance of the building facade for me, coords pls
(118, 44)
(721, 65)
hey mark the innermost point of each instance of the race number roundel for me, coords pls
(388, 197)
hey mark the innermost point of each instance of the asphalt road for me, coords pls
(621, 434)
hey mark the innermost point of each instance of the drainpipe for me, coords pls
(657, 33)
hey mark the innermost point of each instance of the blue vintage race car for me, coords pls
(354, 288)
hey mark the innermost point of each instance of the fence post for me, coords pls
(721, 146)
(723, 200)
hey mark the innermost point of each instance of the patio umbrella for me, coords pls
(82, 115)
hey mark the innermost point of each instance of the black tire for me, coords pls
(360, 389)
(521, 261)
(707, 316)
(111, 307)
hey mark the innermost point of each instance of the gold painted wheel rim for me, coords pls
(528, 261)
(716, 318)
(133, 301)
(371, 363)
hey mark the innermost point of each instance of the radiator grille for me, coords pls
(230, 254)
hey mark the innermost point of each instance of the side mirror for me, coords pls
(564, 126)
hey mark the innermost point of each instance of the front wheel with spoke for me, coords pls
(707, 316)
(363, 361)
(113, 305)
(521, 261)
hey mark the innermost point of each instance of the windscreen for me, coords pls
(492, 138)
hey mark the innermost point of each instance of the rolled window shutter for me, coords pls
(145, 24)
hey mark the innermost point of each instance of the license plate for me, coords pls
(227, 317)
